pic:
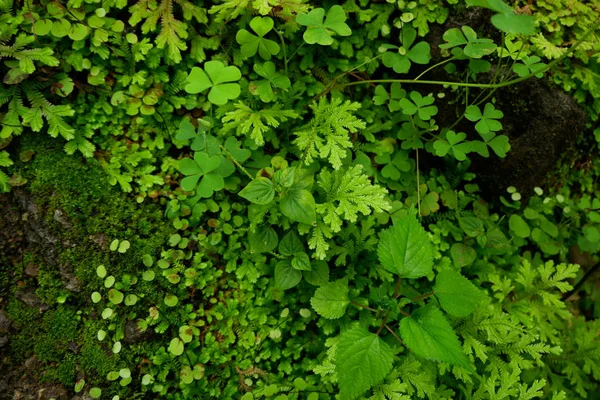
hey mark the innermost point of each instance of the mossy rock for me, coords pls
(62, 220)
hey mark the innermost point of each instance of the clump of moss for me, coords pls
(92, 212)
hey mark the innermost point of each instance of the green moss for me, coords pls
(80, 190)
(92, 208)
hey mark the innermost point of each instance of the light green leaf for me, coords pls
(263, 239)
(301, 262)
(514, 23)
(429, 335)
(299, 205)
(95, 393)
(286, 276)
(115, 296)
(259, 191)
(331, 299)
(318, 275)
(217, 77)
(320, 31)
(518, 225)
(251, 44)
(404, 249)
(290, 244)
(176, 347)
(456, 294)
(362, 361)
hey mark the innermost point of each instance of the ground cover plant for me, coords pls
(251, 199)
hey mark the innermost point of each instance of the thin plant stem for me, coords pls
(383, 323)
(237, 164)
(397, 290)
(423, 296)
(435, 66)
(295, 51)
(357, 304)
(418, 185)
(390, 330)
(285, 60)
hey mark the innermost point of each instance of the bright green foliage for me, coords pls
(465, 36)
(518, 225)
(428, 333)
(326, 136)
(251, 44)
(453, 144)
(318, 30)
(255, 124)
(259, 191)
(346, 194)
(409, 51)
(330, 300)
(506, 20)
(487, 121)
(298, 205)
(264, 88)
(530, 65)
(364, 360)
(216, 77)
(419, 105)
(203, 174)
(404, 249)
(456, 294)
(268, 247)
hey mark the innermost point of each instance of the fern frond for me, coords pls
(327, 134)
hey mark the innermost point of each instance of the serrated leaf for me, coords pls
(429, 334)
(330, 300)
(456, 294)
(404, 249)
(362, 361)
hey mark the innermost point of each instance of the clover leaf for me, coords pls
(419, 105)
(498, 143)
(529, 65)
(394, 166)
(264, 88)
(467, 37)
(393, 98)
(401, 60)
(454, 144)
(252, 43)
(204, 167)
(320, 31)
(216, 77)
(410, 136)
(201, 141)
(488, 121)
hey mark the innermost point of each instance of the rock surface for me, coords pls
(540, 119)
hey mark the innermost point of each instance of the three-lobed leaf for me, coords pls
(320, 27)
(216, 77)
(251, 44)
